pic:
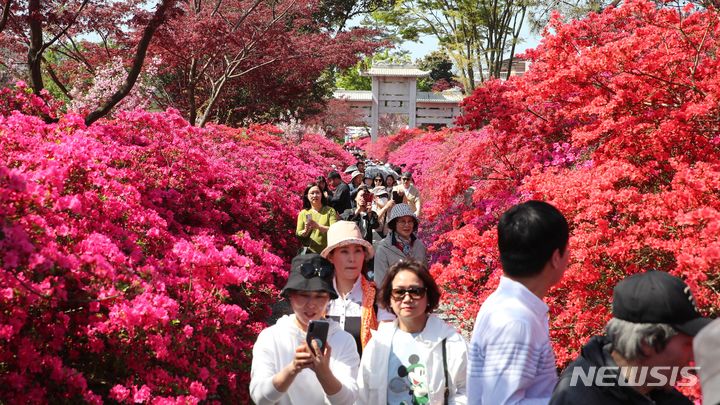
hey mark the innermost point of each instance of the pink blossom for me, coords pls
(142, 395)
(197, 389)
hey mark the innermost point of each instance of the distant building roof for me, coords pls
(395, 70)
(353, 95)
(448, 96)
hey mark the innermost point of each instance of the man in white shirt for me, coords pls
(511, 360)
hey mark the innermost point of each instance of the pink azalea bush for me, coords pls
(139, 256)
(616, 127)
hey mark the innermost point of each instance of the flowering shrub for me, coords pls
(21, 98)
(617, 125)
(139, 256)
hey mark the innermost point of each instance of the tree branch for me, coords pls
(137, 65)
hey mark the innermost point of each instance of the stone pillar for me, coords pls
(412, 105)
(375, 109)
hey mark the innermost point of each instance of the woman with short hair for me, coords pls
(400, 243)
(418, 358)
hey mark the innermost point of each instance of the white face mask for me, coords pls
(382, 200)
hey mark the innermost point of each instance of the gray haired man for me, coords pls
(646, 349)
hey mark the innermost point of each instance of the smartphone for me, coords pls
(368, 197)
(398, 197)
(317, 330)
(308, 217)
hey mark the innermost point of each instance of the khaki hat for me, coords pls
(343, 233)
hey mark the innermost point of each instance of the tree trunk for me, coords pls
(36, 45)
(5, 15)
(192, 114)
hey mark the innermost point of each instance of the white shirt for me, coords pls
(511, 360)
(275, 349)
(351, 305)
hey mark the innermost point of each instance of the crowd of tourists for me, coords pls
(362, 271)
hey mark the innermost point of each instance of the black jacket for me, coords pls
(340, 200)
(597, 353)
(366, 222)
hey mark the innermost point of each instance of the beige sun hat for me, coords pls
(343, 233)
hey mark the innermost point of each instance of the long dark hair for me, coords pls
(306, 200)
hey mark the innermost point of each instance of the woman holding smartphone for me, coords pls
(285, 370)
(354, 308)
(418, 358)
(314, 220)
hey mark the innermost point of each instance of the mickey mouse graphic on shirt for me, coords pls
(417, 376)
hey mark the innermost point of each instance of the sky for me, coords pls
(429, 43)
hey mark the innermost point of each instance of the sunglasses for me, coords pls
(378, 179)
(405, 179)
(416, 293)
(309, 270)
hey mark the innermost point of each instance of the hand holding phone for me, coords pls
(317, 331)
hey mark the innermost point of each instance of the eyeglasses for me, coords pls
(309, 270)
(416, 293)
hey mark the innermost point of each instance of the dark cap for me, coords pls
(333, 175)
(657, 297)
(310, 272)
(406, 175)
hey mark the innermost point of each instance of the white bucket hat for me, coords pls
(343, 233)
(401, 210)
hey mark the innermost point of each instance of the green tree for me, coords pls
(353, 79)
(440, 67)
(476, 35)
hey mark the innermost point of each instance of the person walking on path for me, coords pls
(649, 339)
(355, 307)
(401, 243)
(511, 360)
(284, 370)
(418, 358)
(410, 193)
(340, 199)
(314, 220)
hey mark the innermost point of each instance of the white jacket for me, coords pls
(373, 375)
(275, 348)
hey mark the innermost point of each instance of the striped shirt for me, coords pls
(510, 359)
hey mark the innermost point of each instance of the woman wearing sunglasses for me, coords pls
(418, 358)
(354, 308)
(284, 370)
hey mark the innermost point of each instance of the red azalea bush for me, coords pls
(617, 125)
(139, 256)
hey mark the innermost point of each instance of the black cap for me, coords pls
(406, 175)
(333, 175)
(657, 297)
(310, 272)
